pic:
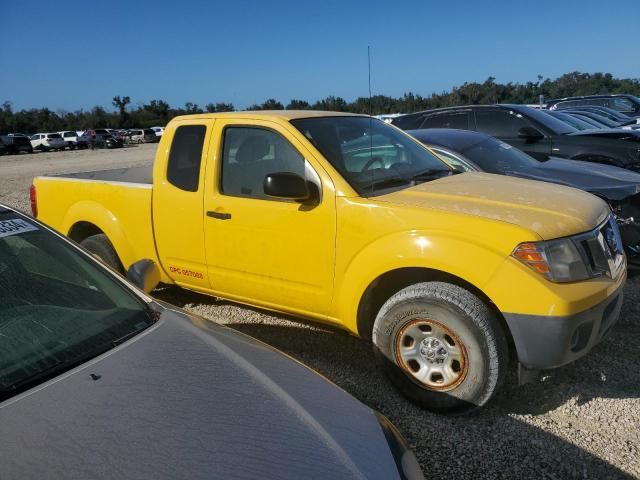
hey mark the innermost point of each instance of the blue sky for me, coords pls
(65, 55)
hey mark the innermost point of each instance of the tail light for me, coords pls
(34, 200)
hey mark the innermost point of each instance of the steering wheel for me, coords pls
(370, 162)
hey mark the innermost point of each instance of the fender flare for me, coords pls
(437, 251)
(94, 213)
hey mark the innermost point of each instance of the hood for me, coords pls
(189, 399)
(617, 133)
(607, 181)
(550, 211)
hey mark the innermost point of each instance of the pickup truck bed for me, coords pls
(140, 175)
(126, 191)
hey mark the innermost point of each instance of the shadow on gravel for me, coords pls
(491, 443)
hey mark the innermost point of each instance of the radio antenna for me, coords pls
(370, 117)
(369, 65)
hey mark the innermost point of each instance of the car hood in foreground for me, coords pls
(607, 181)
(551, 211)
(190, 399)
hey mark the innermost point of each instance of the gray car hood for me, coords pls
(607, 181)
(189, 399)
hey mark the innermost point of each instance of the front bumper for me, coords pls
(544, 342)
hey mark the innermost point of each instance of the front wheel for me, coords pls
(101, 248)
(441, 346)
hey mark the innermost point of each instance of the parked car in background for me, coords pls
(603, 118)
(101, 138)
(117, 134)
(610, 113)
(139, 135)
(16, 144)
(73, 140)
(627, 104)
(474, 151)
(573, 120)
(3, 148)
(47, 141)
(533, 131)
(91, 366)
(158, 131)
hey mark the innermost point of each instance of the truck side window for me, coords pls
(183, 170)
(250, 154)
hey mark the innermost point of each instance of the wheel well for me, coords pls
(82, 230)
(392, 282)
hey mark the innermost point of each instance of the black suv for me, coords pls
(16, 144)
(534, 131)
(627, 104)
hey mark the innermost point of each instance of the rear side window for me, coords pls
(499, 123)
(450, 120)
(54, 135)
(622, 105)
(183, 170)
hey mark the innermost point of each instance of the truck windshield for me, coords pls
(58, 308)
(370, 154)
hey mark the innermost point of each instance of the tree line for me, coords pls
(159, 112)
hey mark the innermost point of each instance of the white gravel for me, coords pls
(582, 421)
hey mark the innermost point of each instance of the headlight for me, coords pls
(557, 260)
(405, 459)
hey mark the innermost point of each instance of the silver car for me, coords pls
(98, 380)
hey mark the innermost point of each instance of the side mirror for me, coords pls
(144, 274)
(530, 134)
(290, 186)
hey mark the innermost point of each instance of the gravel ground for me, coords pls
(581, 421)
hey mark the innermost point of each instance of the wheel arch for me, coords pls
(85, 219)
(391, 282)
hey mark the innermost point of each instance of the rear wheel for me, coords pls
(101, 248)
(441, 346)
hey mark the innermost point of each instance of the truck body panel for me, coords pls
(318, 260)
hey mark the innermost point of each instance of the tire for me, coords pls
(100, 246)
(441, 346)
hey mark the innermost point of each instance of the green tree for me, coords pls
(298, 105)
(272, 104)
(121, 104)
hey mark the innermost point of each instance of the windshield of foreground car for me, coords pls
(370, 154)
(58, 308)
(494, 156)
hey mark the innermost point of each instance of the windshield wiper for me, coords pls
(386, 183)
(434, 173)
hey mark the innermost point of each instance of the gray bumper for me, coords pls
(547, 342)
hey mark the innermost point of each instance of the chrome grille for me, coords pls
(602, 249)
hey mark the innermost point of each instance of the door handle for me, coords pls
(219, 215)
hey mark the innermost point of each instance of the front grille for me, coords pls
(602, 249)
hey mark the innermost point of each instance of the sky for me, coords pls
(73, 55)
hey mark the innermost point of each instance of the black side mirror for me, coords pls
(144, 274)
(290, 186)
(530, 134)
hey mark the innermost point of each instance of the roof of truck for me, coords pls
(284, 114)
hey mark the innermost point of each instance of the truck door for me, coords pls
(274, 252)
(178, 186)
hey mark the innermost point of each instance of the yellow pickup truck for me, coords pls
(346, 220)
